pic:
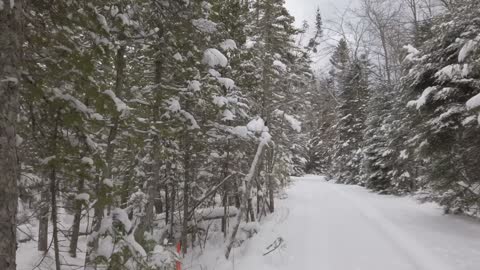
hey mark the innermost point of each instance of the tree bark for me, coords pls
(76, 221)
(250, 213)
(158, 201)
(43, 222)
(10, 55)
(53, 196)
(271, 191)
(225, 214)
(167, 205)
(269, 166)
(172, 212)
(225, 190)
(186, 195)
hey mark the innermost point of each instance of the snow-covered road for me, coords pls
(336, 227)
(326, 226)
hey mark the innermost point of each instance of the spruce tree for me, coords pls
(351, 90)
(442, 81)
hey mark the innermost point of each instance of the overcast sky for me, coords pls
(330, 10)
(305, 9)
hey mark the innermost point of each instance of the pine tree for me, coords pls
(351, 86)
(319, 122)
(376, 163)
(442, 81)
(318, 34)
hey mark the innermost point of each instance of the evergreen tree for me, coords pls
(376, 161)
(351, 86)
(318, 123)
(442, 80)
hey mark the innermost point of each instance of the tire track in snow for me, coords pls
(417, 254)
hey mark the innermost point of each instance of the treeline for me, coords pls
(398, 112)
(135, 117)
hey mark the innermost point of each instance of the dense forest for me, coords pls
(130, 126)
(398, 112)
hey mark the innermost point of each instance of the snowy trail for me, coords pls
(336, 227)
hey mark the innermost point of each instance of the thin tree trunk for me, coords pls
(101, 188)
(147, 220)
(186, 195)
(271, 188)
(247, 188)
(225, 213)
(53, 196)
(258, 200)
(386, 57)
(271, 198)
(269, 165)
(158, 201)
(251, 215)
(43, 222)
(153, 183)
(238, 200)
(53, 192)
(167, 205)
(188, 167)
(10, 55)
(225, 191)
(172, 212)
(76, 221)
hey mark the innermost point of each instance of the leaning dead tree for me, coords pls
(247, 190)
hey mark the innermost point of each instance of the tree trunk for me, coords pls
(186, 195)
(153, 182)
(146, 221)
(76, 222)
(271, 193)
(53, 196)
(247, 188)
(386, 57)
(167, 204)
(238, 200)
(258, 201)
(250, 213)
(269, 165)
(225, 213)
(172, 213)
(43, 222)
(158, 201)
(101, 187)
(10, 55)
(225, 190)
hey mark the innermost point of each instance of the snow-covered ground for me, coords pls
(326, 226)
(29, 258)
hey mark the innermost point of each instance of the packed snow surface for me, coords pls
(326, 226)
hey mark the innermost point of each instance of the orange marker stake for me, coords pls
(179, 248)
